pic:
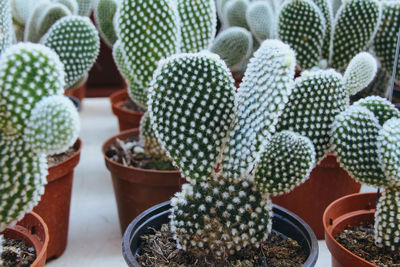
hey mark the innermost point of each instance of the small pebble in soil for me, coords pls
(360, 241)
(17, 254)
(160, 250)
(130, 152)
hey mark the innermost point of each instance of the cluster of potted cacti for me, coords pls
(64, 27)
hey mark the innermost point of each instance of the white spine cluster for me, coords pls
(360, 72)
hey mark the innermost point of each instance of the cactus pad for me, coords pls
(220, 217)
(6, 27)
(77, 43)
(234, 13)
(382, 109)
(148, 137)
(286, 163)
(261, 20)
(104, 15)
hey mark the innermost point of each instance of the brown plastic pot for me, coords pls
(346, 212)
(77, 92)
(54, 206)
(138, 189)
(327, 182)
(33, 231)
(127, 119)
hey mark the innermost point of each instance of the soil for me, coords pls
(17, 254)
(360, 241)
(57, 158)
(160, 250)
(130, 153)
(130, 105)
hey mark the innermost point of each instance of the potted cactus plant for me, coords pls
(60, 26)
(365, 140)
(227, 147)
(36, 120)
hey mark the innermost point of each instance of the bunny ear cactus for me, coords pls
(38, 120)
(6, 28)
(355, 26)
(85, 7)
(234, 13)
(104, 13)
(319, 96)
(366, 138)
(148, 137)
(75, 40)
(386, 37)
(305, 36)
(326, 8)
(192, 14)
(261, 20)
(195, 113)
(233, 45)
(72, 5)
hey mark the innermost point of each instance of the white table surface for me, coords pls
(94, 235)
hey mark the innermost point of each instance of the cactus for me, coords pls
(85, 7)
(6, 31)
(192, 14)
(365, 138)
(319, 96)
(305, 36)
(326, 9)
(75, 40)
(21, 10)
(233, 45)
(386, 37)
(355, 26)
(261, 19)
(379, 86)
(72, 5)
(235, 13)
(38, 120)
(104, 13)
(148, 137)
(196, 117)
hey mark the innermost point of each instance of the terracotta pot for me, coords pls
(54, 206)
(33, 230)
(346, 212)
(78, 92)
(127, 119)
(138, 189)
(327, 182)
(283, 222)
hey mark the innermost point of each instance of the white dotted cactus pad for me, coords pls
(22, 179)
(192, 106)
(262, 96)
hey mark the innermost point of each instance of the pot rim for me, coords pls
(122, 135)
(164, 207)
(116, 103)
(329, 226)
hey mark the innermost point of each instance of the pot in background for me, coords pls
(138, 189)
(127, 119)
(33, 231)
(284, 222)
(78, 92)
(54, 205)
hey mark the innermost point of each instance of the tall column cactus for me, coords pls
(193, 108)
(38, 120)
(366, 138)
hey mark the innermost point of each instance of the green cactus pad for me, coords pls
(379, 86)
(233, 45)
(104, 13)
(382, 109)
(53, 125)
(199, 24)
(262, 96)
(21, 10)
(387, 219)
(286, 163)
(192, 106)
(360, 72)
(305, 36)
(85, 7)
(318, 96)
(42, 17)
(326, 8)
(220, 217)
(75, 40)
(354, 141)
(72, 5)
(234, 13)
(22, 179)
(354, 29)
(148, 137)
(6, 27)
(386, 37)
(389, 150)
(143, 45)
(28, 72)
(261, 20)
(121, 61)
